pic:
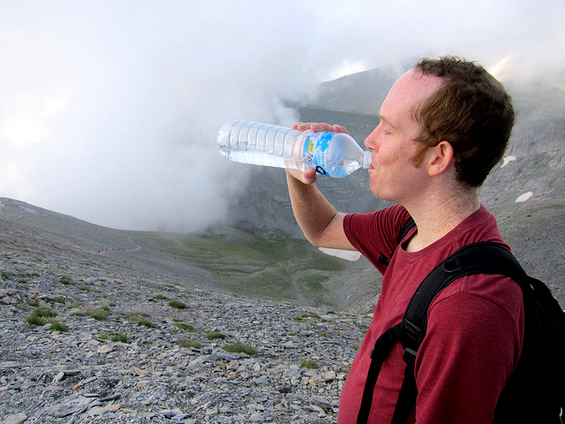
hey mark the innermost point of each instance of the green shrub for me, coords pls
(306, 315)
(35, 320)
(120, 337)
(161, 296)
(188, 343)
(44, 311)
(57, 326)
(308, 363)
(146, 323)
(177, 304)
(37, 315)
(65, 280)
(136, 318)
(184, 326)
(212, 335)
(99, 314)
(240, 348)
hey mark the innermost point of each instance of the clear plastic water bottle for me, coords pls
(330, 153)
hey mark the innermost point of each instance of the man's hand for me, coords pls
(310, 176)
(317, 127)
(307, 177)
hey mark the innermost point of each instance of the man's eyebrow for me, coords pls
(382, 118)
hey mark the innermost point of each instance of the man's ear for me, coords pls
(440, 158)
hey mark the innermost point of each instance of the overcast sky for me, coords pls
(109, 110)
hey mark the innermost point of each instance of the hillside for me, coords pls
(95, 327)
(224, 259)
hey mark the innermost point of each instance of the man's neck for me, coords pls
(438, 215)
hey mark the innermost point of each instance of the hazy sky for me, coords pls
(109, 110)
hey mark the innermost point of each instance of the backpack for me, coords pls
(535, 393)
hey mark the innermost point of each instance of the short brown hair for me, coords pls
(471, 110)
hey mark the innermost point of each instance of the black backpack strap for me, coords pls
(408, 225)
(408, 392)
(477, 258)
(380, 351)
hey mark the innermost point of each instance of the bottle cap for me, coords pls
(367, 159)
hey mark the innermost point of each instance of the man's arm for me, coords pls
(321, 223)
(319, 220)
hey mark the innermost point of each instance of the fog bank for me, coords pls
(109, 110)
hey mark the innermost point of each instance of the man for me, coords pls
(443, 126)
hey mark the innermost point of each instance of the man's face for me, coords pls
(393, 173)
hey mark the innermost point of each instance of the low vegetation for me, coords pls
(212, 335)
(120, 337)
(44, 315)
(177, 304)
(306, 315)
(185, 327)
(139, 318)
(238, 347)
(308, 364)
(189, 343)
(270, 266)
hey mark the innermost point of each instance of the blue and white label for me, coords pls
(315, 148)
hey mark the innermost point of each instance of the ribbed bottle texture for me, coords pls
(333, 154)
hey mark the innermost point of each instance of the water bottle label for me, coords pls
(315, 147)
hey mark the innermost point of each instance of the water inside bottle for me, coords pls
(254, 157)
(260, 144)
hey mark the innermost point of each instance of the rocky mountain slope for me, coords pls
(89, 335)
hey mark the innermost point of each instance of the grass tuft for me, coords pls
(306, 315)
(188, 343)
(58, 326)
(38, 315)
(240, 348)
(146, 323)
(308, 364)
(136, 318)
(65, 280)
(177, 304)
(99, 314)
(184, 326)
(161, 296)
(212, 335)
(120, 337)
(35, 320)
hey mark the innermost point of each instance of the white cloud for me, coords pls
(109, 110)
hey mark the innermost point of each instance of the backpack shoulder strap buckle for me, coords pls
(410, 356)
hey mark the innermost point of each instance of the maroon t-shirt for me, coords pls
(474, 334)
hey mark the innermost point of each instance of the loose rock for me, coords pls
(127, 356)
